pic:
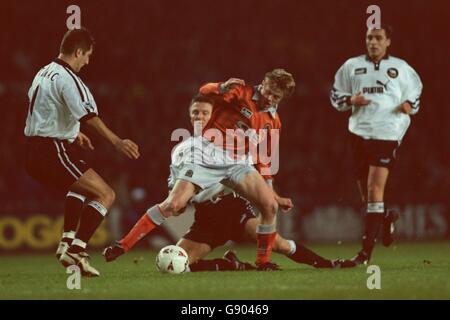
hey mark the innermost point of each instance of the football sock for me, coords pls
(91, 217)
(374, 219)
(212, 265)
(301, 254)
(68, 237)
(72, 210)
(149, 221)
(265, 237)
(77, 246)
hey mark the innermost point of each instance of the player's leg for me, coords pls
(197, 251)
(290, 248)
(154, 217)
(253, 187)
(57, 164)
(376, 183)
(101, 197)
(213, 227)
(72, 211)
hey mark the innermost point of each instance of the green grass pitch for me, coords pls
(408, 271)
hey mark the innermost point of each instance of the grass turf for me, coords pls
(408, 271)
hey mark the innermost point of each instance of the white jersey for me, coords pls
(58, 101)
(387, 84)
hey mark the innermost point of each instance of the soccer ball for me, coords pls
(172, 259)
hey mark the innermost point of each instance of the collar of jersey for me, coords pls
(64, 64)
(386, 57)
(256, 95)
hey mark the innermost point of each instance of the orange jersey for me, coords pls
(238, 108)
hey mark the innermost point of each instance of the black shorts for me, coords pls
(215, 224)
(54, 163)
(378, 153)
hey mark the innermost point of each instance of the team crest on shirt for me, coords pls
(246, 112)
(359, 71)
(392, 72)
(189, 173)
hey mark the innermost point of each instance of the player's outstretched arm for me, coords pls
(232, 82)
(125, 146)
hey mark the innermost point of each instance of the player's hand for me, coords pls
(405, 107)
(233, 81)
(128, 148)
(359, 100)
(285, 204)
(84, 142)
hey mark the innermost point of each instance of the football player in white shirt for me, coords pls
(382, 92)
(59, 101)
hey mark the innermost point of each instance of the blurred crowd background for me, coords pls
(151, 57)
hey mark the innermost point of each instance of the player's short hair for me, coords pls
(76, 39)
(388, 30)
(201, 98)
(283, 80)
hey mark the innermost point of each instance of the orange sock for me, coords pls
(140, 230)
(264, 244)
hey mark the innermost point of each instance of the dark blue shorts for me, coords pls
(54, 163)
(378, 153)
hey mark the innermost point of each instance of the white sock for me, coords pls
(79, 243)
(70, 235)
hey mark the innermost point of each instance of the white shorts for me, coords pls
(205, 164)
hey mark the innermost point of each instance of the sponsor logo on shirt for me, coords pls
(371, 90)
(246, 112)
(360, 71)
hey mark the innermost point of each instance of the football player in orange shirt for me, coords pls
(190, 177)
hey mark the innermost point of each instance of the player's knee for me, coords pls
(172, 207)
(270, 208)
(107, 197)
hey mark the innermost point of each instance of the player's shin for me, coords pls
(265, 238)
(301, 254)
(212, 265)
(91, 217)
(149, 221)
(374, 219)
(72, 212)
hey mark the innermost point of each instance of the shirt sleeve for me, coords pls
(78, 99)
(341, 91)
(412, 89)
(229, 95)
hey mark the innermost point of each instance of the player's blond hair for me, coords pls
(283, 80)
